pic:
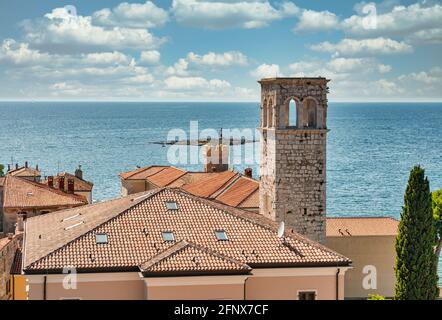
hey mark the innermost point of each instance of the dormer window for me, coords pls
(171, 205)
(101, 238)
(221, 235)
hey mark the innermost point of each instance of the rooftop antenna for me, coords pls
(281, 229)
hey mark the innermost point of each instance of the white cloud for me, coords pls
(114, 57)
(221, 14)
(266, 71)
(179, 68)
(63, 31)
(132, 15)
(352, 47)
(192, 83)
(401, 20)
(218, 59)
(433, 76)
(20, 53)
(150, 57)
(430, 36)
(310, 21)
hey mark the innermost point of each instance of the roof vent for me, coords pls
(74, 225)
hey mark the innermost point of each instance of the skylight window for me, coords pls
(221, 235)
(171, 205)
(101, 238)
(168, 236)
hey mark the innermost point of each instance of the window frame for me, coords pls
(170, 202)
(101, 234)
(221, 231)
(307, 291)
(168, 233)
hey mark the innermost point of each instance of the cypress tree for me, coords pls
(416, 263)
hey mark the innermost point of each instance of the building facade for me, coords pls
(293, 153)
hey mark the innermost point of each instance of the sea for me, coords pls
(371, 147)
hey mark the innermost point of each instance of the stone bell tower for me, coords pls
(293, 153)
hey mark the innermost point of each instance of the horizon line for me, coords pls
(436, 100)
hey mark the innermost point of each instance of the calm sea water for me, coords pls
(371, 147)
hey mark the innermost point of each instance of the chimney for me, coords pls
(16, 166)
(61, 183)
(9, 167)
(71, 187)
(10, 236)
(36, 167)
(248, 172)
(79, 173)
(50, 181)
(26, 164)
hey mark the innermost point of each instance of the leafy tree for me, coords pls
(2, 167)
(416, 263)
(376, 297)
(437, 215)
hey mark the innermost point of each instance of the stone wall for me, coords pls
(293, 158)
(8, 247)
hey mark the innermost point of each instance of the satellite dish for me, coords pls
(281, 229)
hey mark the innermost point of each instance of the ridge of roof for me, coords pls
(180, 246)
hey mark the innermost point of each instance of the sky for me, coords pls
(216, 50)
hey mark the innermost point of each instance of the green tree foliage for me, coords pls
(437, 215)
(2, 168)
(416, 263)
(376, 297)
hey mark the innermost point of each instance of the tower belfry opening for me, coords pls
(293, 153)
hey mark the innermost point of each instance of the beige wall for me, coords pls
(129, 187)
(196, 288)
(285, 284)
(267, 284)
(377, 251)
(104, 286)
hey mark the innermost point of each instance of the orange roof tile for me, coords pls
(142, 173)
(2, 181)
(251, 202)
(361, 226)
(240, 190)
(135, 236)
(79, 184)
(164, 177)
(188, 258)
(22, 193)
(24, 172)
(208, 187)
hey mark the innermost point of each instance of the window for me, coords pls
(168, 236)
(221, 235)
(171, 205)
(307, 295)
(101, 238)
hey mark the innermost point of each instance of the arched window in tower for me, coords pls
(293, 114)
(311, 110)
(264, 114)
(270, 114)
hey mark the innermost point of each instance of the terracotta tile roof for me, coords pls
(2, 181)
(190, 178)
(17, 262)
(22, 193)
(25, 172)
(251, 202)
(47, 233)
(239, 191)
(166, 176)
(208, 188)
(135, 236)
(79, 184)
(141, 173)
(189, 258)
(361, 226)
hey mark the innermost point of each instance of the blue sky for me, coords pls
(216, 49)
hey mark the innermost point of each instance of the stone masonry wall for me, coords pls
(293, 159)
